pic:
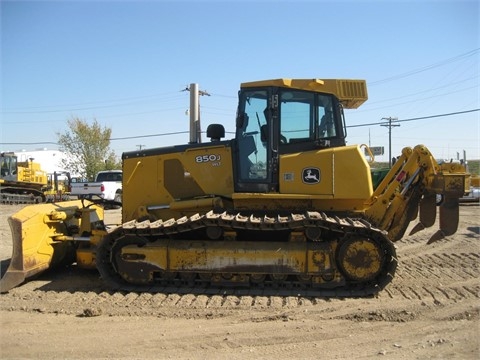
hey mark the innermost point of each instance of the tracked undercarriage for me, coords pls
(18, 195)
(311, 254)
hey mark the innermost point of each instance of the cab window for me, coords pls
(325, 112)
(306, 117)
(297, 116)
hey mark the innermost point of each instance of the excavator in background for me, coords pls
(286, 204)
(25, 182)
(21, 182)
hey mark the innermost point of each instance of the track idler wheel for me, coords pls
(119, 270)
(133, 272)
(360, 259)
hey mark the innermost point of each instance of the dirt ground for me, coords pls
(429, 311)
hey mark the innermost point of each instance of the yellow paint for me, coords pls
(351, 93)
(337, 168)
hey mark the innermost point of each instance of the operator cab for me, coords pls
(8, 166)
(275, 120)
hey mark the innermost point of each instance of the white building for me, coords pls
(49, 160)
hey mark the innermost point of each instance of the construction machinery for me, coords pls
(59, 185)
(472, 181)
(21, 182)
(286, 204)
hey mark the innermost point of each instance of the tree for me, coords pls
(87, 148)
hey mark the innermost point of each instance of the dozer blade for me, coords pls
(38, 240)
(428, 212)
(14, 274)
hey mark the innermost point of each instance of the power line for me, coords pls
(426, 91)
(418, 118)
(129, 100)
(29, 143)
(231, 132)
(147, 136)
(75, 109)
(425, 68)
(366, 109)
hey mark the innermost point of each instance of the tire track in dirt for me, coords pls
(445, 272)
(440, 278)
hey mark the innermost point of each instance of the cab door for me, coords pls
(256, 146)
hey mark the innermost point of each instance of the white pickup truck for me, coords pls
(107, 185)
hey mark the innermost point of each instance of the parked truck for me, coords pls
(107, 186)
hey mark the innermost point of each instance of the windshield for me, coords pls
(8, 165)
(110, 176)
(305, 116)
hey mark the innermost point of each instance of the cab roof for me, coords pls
(350, 92)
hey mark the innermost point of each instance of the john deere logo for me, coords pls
(311, 175)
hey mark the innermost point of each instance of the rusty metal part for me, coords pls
(360, 259)
(449, 218)
(428, 209)
(449, 215)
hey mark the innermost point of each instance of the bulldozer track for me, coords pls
(15, 199)
(457, 282)
(443, 274)
(331, 227)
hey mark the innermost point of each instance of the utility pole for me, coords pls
(195, 128)
(390, 125)
(140, 147)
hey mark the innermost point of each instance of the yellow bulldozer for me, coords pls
(286, 204)
(21, 182)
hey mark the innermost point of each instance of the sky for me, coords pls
(126, 65)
